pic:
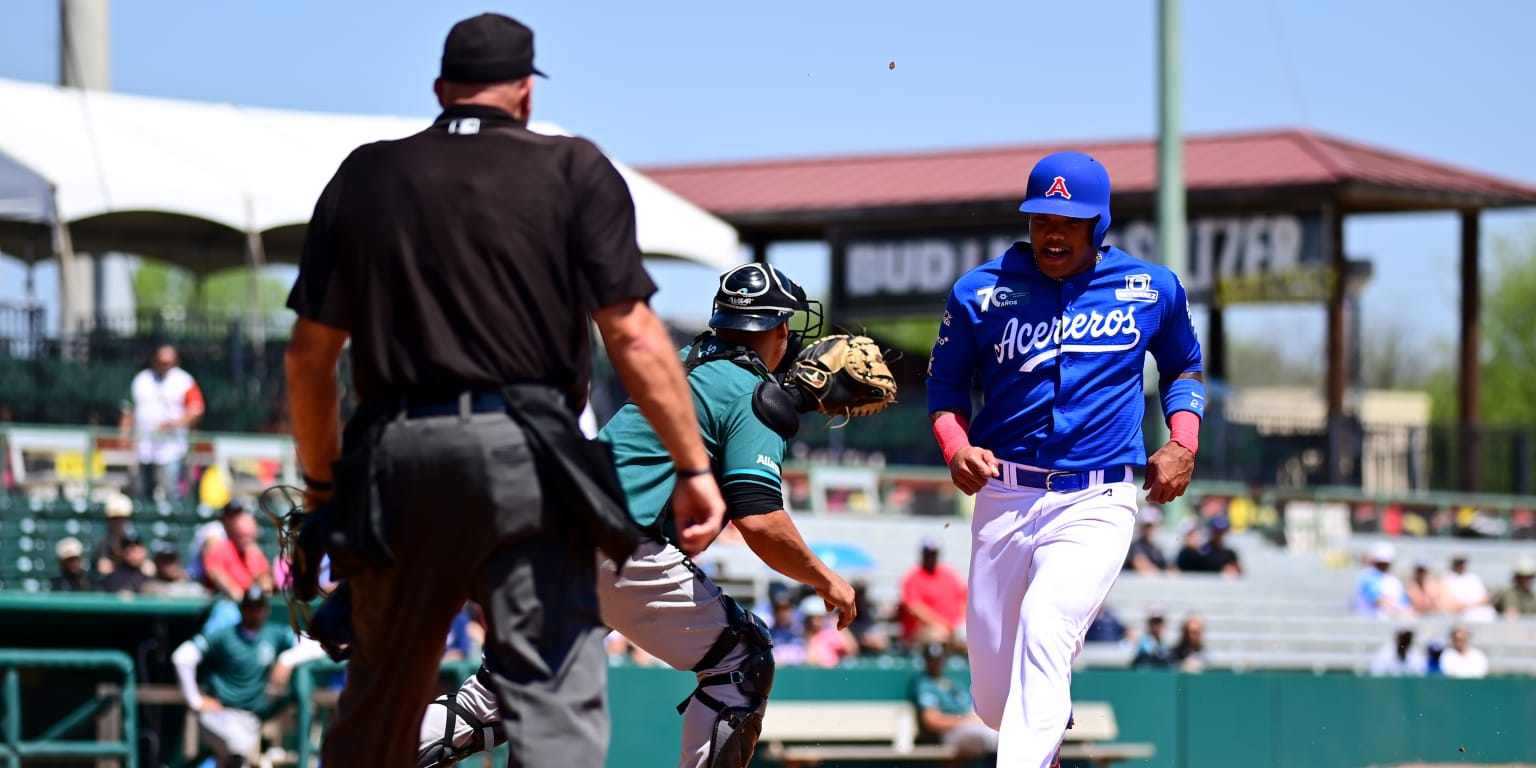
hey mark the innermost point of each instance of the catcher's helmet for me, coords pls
(757, 297)
(1070, 184)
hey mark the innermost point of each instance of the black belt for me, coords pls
(464, 404)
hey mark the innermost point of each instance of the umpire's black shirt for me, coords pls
(468, 255)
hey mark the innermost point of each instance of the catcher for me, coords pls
(659, 599)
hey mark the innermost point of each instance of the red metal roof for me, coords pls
(1260, 160)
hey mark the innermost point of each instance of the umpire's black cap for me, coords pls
(488, 48)
(756, 297)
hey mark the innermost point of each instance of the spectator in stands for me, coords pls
(1460, 659)
(163, 403)
(1151, 651)
(1433, 650)
(1399, 658)
(171, 578)
(1377, 592)
(1146, 557)
(109, 551)
(1190, 650)
(128, 577)
(1214, 556)
(236, 563)
(1106, 627)
(945, 713)
(825, 644)
(238, 664)
(1425, 593)
(464, 641)
(866, 627)
(932, 601)
(622, 652)
(282, 576)
(1466, 597)
(209, 534)
(1517, 599)
(787, 633)
(73, 577)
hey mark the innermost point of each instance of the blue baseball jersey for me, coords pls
(1061, 360)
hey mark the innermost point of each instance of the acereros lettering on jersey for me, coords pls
(1035, 343)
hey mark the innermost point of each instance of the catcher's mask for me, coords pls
(757, 297)
(1070, 184)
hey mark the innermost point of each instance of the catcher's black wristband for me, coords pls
(693, 472)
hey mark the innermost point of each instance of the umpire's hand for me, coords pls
(972, 467)
(698, 511)
(1168, 473)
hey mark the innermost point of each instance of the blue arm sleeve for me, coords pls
(1176, 349)
(952, 366)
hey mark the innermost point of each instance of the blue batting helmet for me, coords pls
(1070, 184)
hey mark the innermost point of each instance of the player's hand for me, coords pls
(838, 596)
(698, 509)
(1168, 473)
(277, 682)
(210, 704)
(972, 467)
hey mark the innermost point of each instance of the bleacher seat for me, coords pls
(1293, 611)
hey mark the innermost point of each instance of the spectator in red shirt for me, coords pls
(932, 601)
(234, 564)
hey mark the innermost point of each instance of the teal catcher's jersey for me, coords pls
(742, 449)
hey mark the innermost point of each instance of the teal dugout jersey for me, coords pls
(235, 664)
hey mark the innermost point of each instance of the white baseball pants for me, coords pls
(1041, 565)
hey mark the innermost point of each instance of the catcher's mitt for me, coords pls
(841, 375)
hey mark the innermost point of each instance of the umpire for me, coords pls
(463, 263)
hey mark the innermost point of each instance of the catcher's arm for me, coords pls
(774, 538)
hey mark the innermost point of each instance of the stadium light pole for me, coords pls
(1171, 244)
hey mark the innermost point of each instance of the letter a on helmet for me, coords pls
(1070, 184)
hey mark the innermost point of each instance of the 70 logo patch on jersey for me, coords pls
(1001, 296)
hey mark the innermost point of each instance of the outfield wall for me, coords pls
(1209, 720)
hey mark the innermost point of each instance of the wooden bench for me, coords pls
(806, 733)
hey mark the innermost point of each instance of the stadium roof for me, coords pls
(189, 182)
(1241, 169)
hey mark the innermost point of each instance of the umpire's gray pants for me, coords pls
(467, 521)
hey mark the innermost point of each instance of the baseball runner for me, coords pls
(1058, 328)
(659, 600)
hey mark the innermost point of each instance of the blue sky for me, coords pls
(692, 81)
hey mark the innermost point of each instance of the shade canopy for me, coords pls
(188, 182)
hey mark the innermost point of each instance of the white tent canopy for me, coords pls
(195, 183)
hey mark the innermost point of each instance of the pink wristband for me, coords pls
(950, 429)
(1184, 429)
